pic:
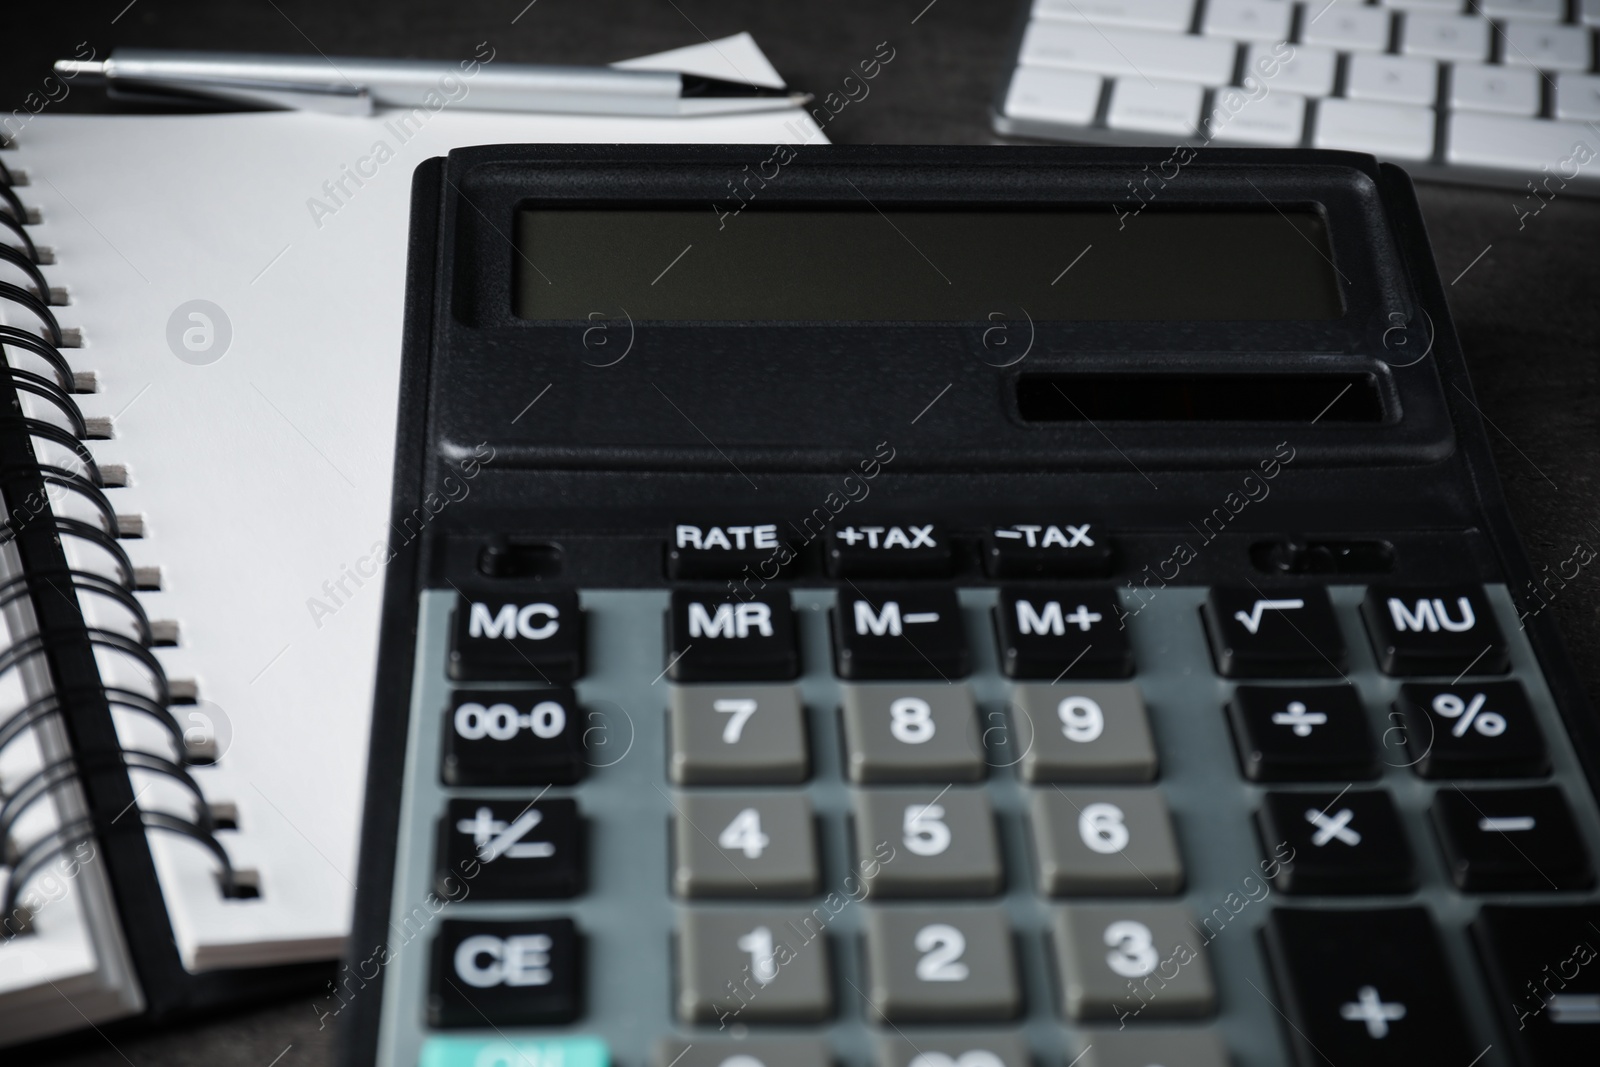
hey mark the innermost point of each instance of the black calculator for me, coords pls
(957, 607)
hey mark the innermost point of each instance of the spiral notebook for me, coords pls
(201, 331)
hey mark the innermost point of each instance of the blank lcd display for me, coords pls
(925, 265)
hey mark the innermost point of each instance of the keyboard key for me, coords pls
(1393, 79)
(900, 551)
(1367, 987)
(1482, 730)
(1451, 6)
(1515, 143)
(1050, 635)
(1248, 20)
(1275, 120)
(475, 1051)
(1104, 843)
(1391, 130)
(1508, 90)
(911, 733)
(728, 552)
(1128, 53)
(941, 965)
(713, 638)
(1346, 842)
(1082, 733)
(993, 1049)
(737, 735)
(1067, 96)
(767, 965)
(539, 639)
(1534, 44)
(942, 840)
(510, 849)
(899, 632)
(1301, 733)
(1444, 36)
(1447, 630)
(1309, 71)
(1118, 962)
(1170, 107)
(1540, 966)
(1040, 550)
(1130, 1048)
(1577, 96)
(1173, 15)
(512, 737)
(1276, 633)
(1346, 25)
(520, 973)
(743, 845)
(1529, 10)
(759, 1052)
(1510, 839)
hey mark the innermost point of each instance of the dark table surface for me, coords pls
(1525, 295)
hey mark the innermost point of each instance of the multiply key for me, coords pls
(1345, 842)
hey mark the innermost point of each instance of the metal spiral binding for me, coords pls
(88, 482)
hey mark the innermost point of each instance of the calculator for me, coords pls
(923, 607)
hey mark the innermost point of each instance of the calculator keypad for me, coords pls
(910, 826)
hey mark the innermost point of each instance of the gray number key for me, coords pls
(743, 845)
(753, 966)
(941, 964)
(1131, 961)
(1082, 732)
(912, 733)
(943, 840)
(971, 1049)
(1130, 1048)
(737, 735)
(785, 1052)
(1104, 842)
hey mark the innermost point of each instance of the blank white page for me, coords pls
(266, 474)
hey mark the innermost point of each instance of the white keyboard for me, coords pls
(1500, 92)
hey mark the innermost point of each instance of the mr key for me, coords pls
(1161, 698)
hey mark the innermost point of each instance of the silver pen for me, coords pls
(355, 86)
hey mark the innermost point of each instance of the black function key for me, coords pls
(1478, 730)
(1276, 633)
(505, 974)
(728, 552)
(512, 737)
(1347, 842)
(536, 638)
(896, 633)
(1366, 987)
(1311, 733)
(1447, 630)
(1510, 839)
(1049, 635)
(1542, 968)
(714, 638)
(906, 550)
(510, 850)
(1054, 550)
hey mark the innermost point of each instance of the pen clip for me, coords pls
(328, 98)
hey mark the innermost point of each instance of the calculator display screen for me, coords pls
(923, 265)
